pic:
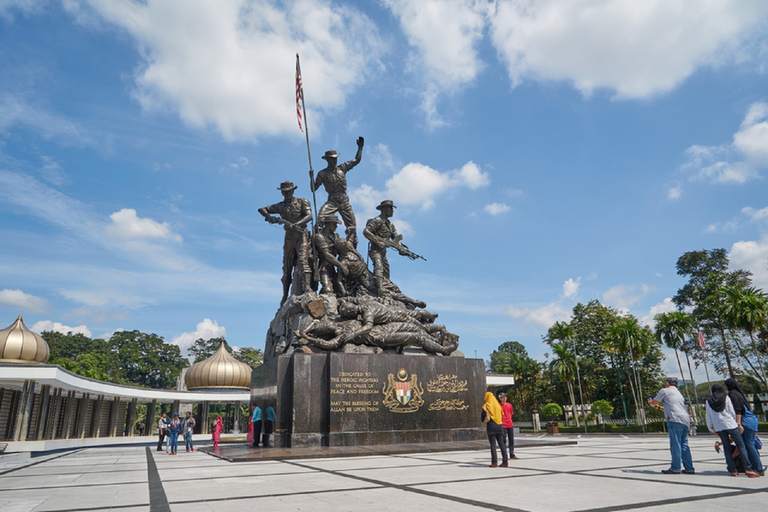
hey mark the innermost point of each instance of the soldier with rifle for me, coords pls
(294, 214)
(382, 234)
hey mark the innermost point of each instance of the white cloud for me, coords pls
(15, 110)
(126, 224)
(47, 325)
(664, 306)
(637, 49)
(496, 208)
(23, 301)
(206, 330)
(623, 296)
(753, 256)
(756, 215)
(415, 184)
(674, 193)
(419, 184)
(234, 73)
(739, 161)
(543, 317)
(571, 287)
(445, 35)
(110, 297)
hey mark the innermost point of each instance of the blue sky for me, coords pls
(540, 154)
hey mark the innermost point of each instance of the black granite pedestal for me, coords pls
(337, 399)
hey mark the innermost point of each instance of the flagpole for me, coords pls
(300, 86)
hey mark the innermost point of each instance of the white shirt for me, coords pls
(723, 420)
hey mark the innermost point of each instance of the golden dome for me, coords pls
(20, 345)
(219, 372)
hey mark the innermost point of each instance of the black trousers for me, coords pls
(509, 434)
(496, 436)
(256, 433)
(160, 441)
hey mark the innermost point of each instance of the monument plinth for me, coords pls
(338, 399)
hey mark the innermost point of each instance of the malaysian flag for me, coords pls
(299, 93)
(702, 343)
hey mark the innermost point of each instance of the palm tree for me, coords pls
(746, 308)
(630, 340)
(611, 349)
(565, 366)
(564, 332)
(671, 329)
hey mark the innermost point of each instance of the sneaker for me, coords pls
(670, 472)
(504, 465)
(493, 466)
(689, 471)
(192, 449)
(187, 451)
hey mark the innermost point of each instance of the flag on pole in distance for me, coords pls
(299, 93)
(702, 343)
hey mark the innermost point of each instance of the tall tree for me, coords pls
(564, 332)
(564, 365)
(707, 272)
(147, 360)
(672, 329)
(512, 358)
(631, 343)
(746, 308)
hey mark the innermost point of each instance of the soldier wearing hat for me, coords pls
(382, 234)
(334, 178)
(328, 262)
(294, 214)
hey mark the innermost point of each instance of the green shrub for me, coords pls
(551, 411)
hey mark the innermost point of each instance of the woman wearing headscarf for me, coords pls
(218, 426)
(747, 424)
(492, 418)
(721, 418)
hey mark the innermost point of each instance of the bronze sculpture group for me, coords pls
(356, 310)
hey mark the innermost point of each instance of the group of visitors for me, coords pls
(497, 416)
(170, 430)
(255, 423)
(728, 416)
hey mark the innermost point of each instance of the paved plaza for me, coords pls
(599, 473)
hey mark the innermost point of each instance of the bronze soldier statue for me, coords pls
(331, 270)
(294, 214)
(382, 234)
(334, 335)
(334, 178)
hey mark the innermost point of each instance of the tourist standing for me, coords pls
(747, 423)
(721, 419)
(269, 425)
(189, 428)
(492, 419)
(506, 423)
(174, 429)
(256, 420)
(218, 426)
(162, 429)
(672, 403)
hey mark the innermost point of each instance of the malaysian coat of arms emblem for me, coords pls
(402, 394)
